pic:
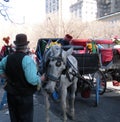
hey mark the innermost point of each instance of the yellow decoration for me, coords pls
(89, 46)
(53, 43)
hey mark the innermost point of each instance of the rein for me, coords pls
(66, 71)
(69, 73)
(79, 75)
(51, 77)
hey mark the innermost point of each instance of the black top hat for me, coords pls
(21, 40)
(68, 37)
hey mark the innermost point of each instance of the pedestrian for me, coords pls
(22, 81)
(67, 39)
(3, 102)
(5, 50)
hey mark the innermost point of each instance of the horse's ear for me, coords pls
(70, 51)
(46, 55)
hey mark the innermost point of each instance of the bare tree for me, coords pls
(52, 28)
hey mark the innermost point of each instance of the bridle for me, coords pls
(58, 60)
(69, 70)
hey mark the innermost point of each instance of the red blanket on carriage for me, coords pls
(106, 55)
(81, 42)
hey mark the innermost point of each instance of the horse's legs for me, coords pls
(63, 102)
(47, 106)
(72, 100)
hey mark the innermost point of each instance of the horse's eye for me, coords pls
(58, 63)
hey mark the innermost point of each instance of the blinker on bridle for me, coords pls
(59, 60)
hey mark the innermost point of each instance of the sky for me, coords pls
(23, 11)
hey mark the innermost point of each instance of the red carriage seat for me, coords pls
(106, 55)
(83, 51)
(81, 42)
(104, 41)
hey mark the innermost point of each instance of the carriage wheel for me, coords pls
(99, 83)
(102, 82)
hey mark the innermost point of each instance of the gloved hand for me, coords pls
(43, 78)
(38, 87)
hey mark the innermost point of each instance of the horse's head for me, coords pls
(56, 61)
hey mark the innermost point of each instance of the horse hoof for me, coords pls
(70, 116)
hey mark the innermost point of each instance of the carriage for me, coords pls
(110, 60)
(94, 66)
(88, 64)
(109, 56)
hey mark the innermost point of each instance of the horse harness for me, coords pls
(69, 71)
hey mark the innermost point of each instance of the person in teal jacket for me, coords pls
(22, 81)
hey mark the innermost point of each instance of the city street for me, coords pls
(90, 29)
(108, 109)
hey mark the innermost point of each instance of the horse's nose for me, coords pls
(49, 88)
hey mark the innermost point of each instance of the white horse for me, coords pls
(61, 70)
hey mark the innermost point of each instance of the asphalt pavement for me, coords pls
(39, 111)
(84, 113)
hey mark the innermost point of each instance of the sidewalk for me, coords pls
(39, 112)
(112, 90)
(38, 117)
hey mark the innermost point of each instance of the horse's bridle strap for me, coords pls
(51, 77)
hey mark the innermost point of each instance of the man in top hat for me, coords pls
(22, 81)
(66, 40)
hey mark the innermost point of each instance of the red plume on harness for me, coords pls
(6, 40)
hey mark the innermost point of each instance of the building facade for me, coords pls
(86, 10)
(107, 7)
(115, 17)
(60, 8)
(52, 6)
